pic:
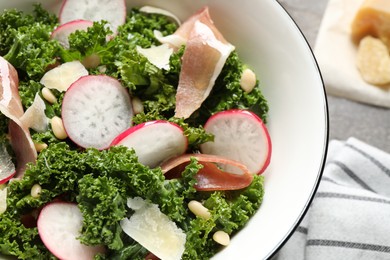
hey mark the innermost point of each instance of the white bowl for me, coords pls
(269, 41)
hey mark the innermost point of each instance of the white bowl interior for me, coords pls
(270, 42)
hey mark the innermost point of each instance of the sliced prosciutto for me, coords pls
(203, 59)
(11, 107)
(10, 103)
(210, 177)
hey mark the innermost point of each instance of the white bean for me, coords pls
(199, 210)
(248, 80)
(36, 190)
(58, 128)
(48, 95)
(222, 238)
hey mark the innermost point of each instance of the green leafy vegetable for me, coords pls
(101, 181)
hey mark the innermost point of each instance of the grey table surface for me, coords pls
(346, 118)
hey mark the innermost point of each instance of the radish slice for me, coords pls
(59, 225)
(62, 32)
(239, 135)
(95, 110)
(154, 141)
(7, 169)
(210, 177)
(112, 11)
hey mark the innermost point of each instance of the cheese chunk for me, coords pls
(372, 18)
(154, 230)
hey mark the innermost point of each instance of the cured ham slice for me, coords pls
(11, 107)
(10, 103)
(210, 177)
(203, 59)
(22, 145)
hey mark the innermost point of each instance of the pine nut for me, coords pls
(40, 146)
(48, 95)
(138, 107)
(199, 210)
(36, 190)
(248, 80)
(222, 238)
(58, 128)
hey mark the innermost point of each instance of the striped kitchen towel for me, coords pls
(349, 217)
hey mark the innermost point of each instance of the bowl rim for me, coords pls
(304, 211)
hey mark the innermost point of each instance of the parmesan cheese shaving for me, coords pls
(63, 76)
(157, 55)
(154, 230)
(35, 116)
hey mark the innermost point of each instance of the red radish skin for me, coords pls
(154, 141)
(96, 109)
(239, 135)
(210, 177)
(112, 11)
(62, 32)
(4, 179)
(59, 225)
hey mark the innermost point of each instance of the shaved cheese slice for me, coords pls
(154, 230)
(155, 10)
(63, 76)
(157, 55)
(35, 116)
(174, 40)
(3, 199)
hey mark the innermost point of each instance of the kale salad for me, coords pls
(123, 129)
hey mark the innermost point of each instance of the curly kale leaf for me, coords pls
(230, 211)
(20, 241)
(227, 93)
(102, 203)
(25, 41)
(55, 176)
(139, 28)
(13, 19)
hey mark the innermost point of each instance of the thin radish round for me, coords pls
(95, 110)
(154, 141)
(112, 11)
(239, 135)
(62, 32)
(59, 225)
